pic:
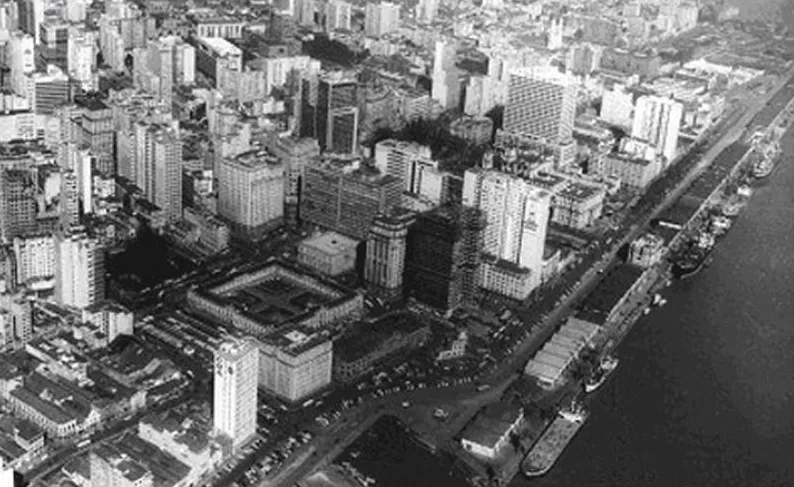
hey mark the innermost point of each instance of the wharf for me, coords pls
(544, 454)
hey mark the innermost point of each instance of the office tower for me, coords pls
(443, 256)
(657, 120)
(407, 161)
(517, 214)
(156, 165)
(337, 113)
(69, 207)
(294, 153)
(81, 59)
(35, 258)
(381, 18)
(541, 105)
(337, 15)
(95, 131)
(426, 10)
(184, 64)
(446, 82)
(17, 203)
(110, 467)
(305, 12)
(251, 193)
(75, 10)
(21, 62)
(79, 270)
(385, 257)
(235, 391)
(345, 196)
(31, 16)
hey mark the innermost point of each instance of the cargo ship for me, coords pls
(544, 454)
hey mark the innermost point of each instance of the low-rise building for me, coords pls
(329, 253)
(489, 432)
(365, 345)
(477, 130)
(506, 278)
(295, 362)
(112, 319)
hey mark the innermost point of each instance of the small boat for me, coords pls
(606, 367)
(575, 412)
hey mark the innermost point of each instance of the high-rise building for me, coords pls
(337, 15)
(517, 214)
(294, 153)
(337, 113)
(17, 203)
(657, 120)
(617, 107)
(31, 16)
(406, 161)
(446, 80)
(251, 193)
(385, 257)
(426, 10)
(20, 59)
(79, 270)
(541, 105)
(157, 165)
(381, 18)
(35, 258)
(235, 383)
(345, 196)
(443, 255)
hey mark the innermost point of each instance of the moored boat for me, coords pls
(601, 373)
(544, 454)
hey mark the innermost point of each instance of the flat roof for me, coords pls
(221, 46)
(599, 303)
(330, 243)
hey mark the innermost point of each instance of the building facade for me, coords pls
(235, 391)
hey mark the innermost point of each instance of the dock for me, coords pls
(544, 454)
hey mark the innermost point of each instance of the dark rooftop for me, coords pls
(597, 306)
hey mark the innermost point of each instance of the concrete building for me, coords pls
(476, 130)
(443, 257)
(345, 196)
(156, 165)
(337, 113)
(295, 362)
(446, 79)
(647, 250)
(294, 153)
(337, 15)
(407, 161)
(489, 432)
(385, 256)
(111, 318)
(541, 104)
(251, 193)
(328, 253)
(35, 260)
(215, 55)
(235, 392)
(79, 270)
(517, 215)
(381, 18)
(427, 10)
(657, 120)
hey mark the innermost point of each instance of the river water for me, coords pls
(704, 395)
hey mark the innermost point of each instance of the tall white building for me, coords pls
(81, 57)
(446, 85)
(251, 192)
(234, 403)
(426, 10)
(157, 165)
(517, 215)
(20, 59)
(79, 270)
(337, 15)
(541, 104)
(381, 18)
(657, 120)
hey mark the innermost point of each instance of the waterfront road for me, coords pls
(467, 399)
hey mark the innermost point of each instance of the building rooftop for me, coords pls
(221, 46)
(126, 466)
(330, 243)
(598, 304)
(295, 339)
(491, 423)
(579, 191)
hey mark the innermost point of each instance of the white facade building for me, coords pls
(235, 391)
(79, 270)
(381, 18)
(657, 120)
(541, 104)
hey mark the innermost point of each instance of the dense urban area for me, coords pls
(238, 235)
